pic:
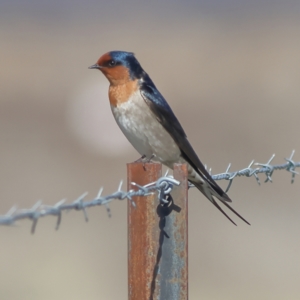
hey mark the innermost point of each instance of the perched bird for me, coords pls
(148, 122)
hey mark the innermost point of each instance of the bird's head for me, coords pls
(119, 67)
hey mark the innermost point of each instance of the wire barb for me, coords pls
(291, 167)
(163, 186)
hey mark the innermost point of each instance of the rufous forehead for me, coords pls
(103, 59)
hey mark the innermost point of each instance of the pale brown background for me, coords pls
(230, 71)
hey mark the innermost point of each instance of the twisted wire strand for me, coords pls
(163, 186)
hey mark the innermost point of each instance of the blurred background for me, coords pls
(231, 72)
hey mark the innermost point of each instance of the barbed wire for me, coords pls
(265, 168)
(163, 186)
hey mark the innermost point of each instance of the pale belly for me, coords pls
(144, 132)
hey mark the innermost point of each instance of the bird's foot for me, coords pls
(147, 160)
(141, 159)
(144, 159)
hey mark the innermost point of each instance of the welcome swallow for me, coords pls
(148, 122)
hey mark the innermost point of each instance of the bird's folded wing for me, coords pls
(166, 117)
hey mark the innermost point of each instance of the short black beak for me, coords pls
(95, 66)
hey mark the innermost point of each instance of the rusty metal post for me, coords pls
(174, 261)
(157, 238)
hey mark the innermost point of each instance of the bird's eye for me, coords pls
(112, 63)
